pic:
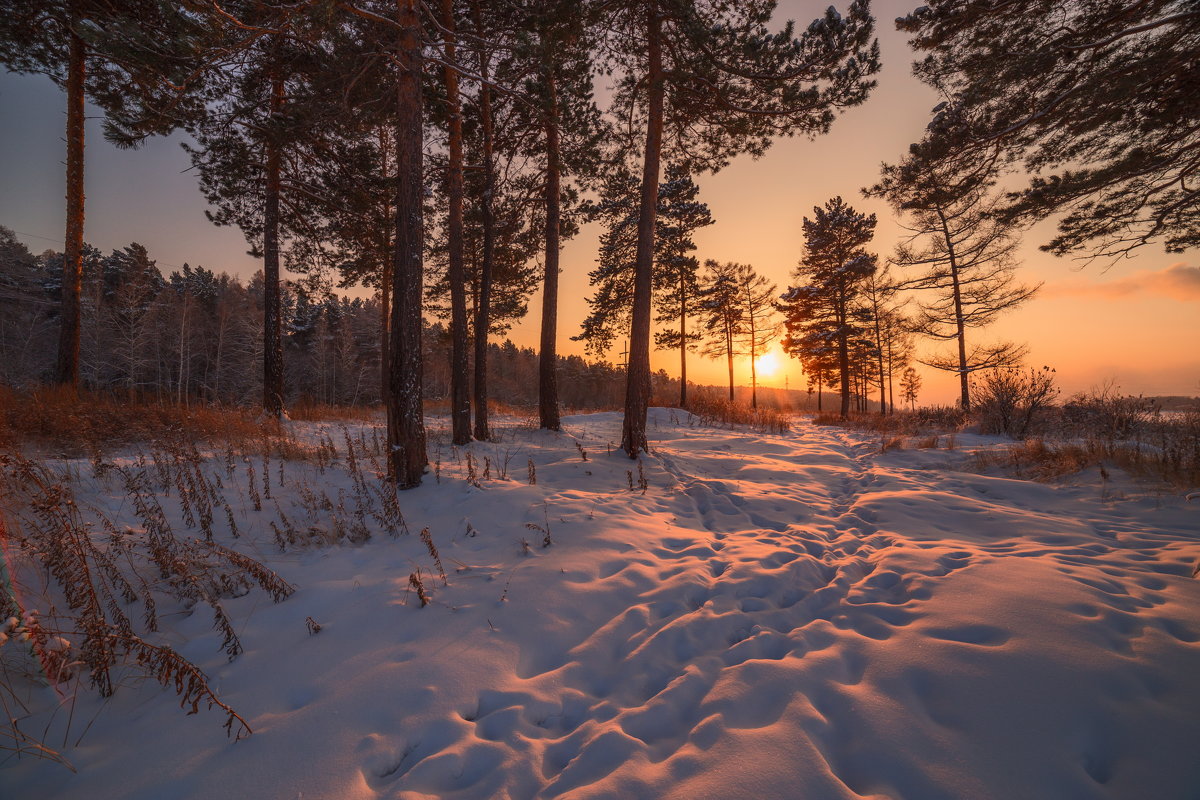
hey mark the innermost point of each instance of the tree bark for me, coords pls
(548, 351)
(883, 405)
(964, 384)
(406, 426)
(682, 341)
(385, 278)
(385, 328)
(483, 311)
(66, 371)
(891, 370)
(753, 348)
(729, 354)
(843, 356)
(637, 379)
(460, 395)
(272, 326)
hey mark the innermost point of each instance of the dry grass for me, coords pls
(55, 418)
(710, 409)
(317, 412)
(1174, 459)
(91, 573)
(932, 419)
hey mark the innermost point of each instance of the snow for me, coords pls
(793, 615)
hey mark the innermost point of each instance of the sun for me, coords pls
(767, 364)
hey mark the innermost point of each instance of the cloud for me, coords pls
(1177, 282)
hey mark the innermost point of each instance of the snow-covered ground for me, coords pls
(791, 616)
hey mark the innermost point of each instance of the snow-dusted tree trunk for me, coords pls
(548, 350)
(67, 369)
(272, 324)
(460, 394)
(483, 311)
(406, 426)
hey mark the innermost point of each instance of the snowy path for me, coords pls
(775, 617)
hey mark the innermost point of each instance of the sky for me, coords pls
(1135, 324)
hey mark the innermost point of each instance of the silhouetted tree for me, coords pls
(247, 141)
(822, 310)
(759, 325)
(722, 305)
(910, 386)
(1095, 100)
(554, 46)
(675, 279)
(704, 81)
(965, 262)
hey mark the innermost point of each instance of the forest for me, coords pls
(442, 155)
(332, 504)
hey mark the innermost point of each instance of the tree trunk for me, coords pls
(460, 394)
(406, 426)
(548, 352)
(753, 348)
(385, 278)
(960, 327)
(729, 355)
(891, 370)
(272, 332)
(385, 328)
(637, 377)
(183, 315)
(729, 359)
(883, 405)
(843, 358)
(682, 341)
(67, 369)
(753, 381)
(483, 312)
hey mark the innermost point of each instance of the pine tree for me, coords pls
(965, 261)
(247, 138)
(723, 307)
(897, 346)
(552, 43)
(706, 81)
(675, 279)
(349, 209)
(879, 297)
(821, 310)
(910, 387)
(460, 398)
(759, 324)
(1094, 100)
(406, 426)
(132, 59)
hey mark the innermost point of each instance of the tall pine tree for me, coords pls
(137, 62)
(822, 308)
(705, 81)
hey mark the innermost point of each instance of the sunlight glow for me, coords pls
(767, 364)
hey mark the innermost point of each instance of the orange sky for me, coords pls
(1137, 323)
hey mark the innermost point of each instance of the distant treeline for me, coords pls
(194, 334)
